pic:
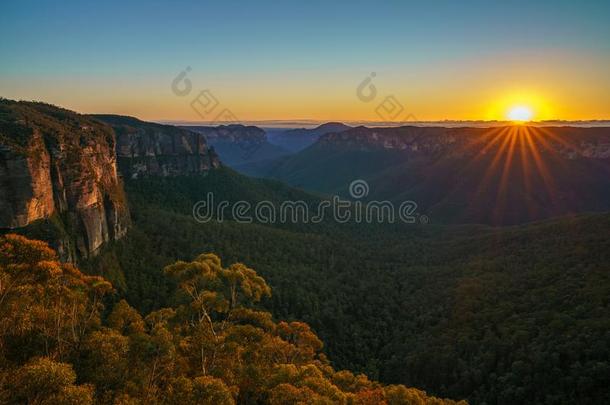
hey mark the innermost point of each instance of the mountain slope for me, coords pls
(496, 315)
(498, 176)
(295, 140)
(239, 144)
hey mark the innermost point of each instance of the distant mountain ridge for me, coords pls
(571, 142)
(298, 139)
(504, 175)
(238, 144)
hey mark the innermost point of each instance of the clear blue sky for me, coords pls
(120, 56)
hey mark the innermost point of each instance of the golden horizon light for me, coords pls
(520, 114)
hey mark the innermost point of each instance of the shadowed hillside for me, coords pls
(504, 175)
(488, 314)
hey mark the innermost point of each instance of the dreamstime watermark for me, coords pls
(389, 109)
(299, 211)
(205, 104)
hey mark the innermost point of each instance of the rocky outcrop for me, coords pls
(61, 166)
(150, 149)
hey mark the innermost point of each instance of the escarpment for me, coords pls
(564, 142)
(150, 149)
(60, 172)
(58, 178)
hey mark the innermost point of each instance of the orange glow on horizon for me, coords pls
(521, 106)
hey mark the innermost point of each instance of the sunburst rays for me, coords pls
(516, 161)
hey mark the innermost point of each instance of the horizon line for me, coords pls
(312, 123)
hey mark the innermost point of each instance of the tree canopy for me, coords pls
(60, 345)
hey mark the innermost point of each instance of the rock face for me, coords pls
(60, 166)
(149, 149)
(25, 184)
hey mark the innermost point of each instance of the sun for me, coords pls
(520, 114)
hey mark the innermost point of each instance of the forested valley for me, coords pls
(494, 315)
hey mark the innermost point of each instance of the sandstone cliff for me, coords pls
(149, 149)
(59, 166)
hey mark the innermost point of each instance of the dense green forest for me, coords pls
(59, 345)
(495, 315)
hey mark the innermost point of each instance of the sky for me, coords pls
(310, 60)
